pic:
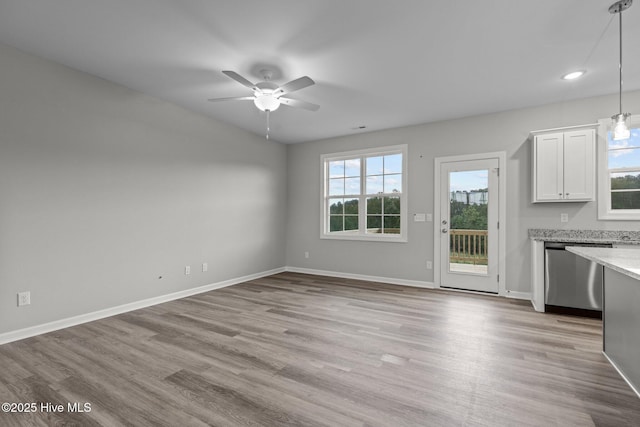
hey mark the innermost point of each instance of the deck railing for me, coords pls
(468, 246)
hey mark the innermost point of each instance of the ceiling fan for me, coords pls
(268, 96)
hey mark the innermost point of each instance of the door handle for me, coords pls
(444, 230)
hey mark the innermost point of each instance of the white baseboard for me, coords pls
(518, 295)
(108, 312)
(390, 280)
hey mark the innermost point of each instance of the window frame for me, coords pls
(361, 234)
(604, 186)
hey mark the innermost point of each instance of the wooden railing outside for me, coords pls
(468, 246)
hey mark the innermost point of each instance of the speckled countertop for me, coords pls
(622, 260)
(595, 236)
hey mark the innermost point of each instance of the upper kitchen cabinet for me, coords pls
(564, 165)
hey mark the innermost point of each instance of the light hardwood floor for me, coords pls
(294, 349)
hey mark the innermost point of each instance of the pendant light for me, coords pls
(620, 120)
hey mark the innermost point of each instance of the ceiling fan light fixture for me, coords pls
(266, 102)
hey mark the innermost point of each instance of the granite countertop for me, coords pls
(626, 237)
(622, 260)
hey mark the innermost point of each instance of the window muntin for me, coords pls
(619, 173)
(363, 195)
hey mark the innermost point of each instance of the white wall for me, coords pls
(506, 131)
(103, 190)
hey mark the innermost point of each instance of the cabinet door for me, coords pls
(548, 167)
(579, 171)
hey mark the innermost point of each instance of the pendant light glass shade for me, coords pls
(621, 126)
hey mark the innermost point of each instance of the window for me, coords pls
(364, 194)
(619, 173)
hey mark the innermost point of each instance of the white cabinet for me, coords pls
(564, 166)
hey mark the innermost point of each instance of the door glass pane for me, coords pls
(468, 235)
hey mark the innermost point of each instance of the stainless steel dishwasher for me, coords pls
(572, 284)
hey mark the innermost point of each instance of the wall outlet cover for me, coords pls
(24, 298)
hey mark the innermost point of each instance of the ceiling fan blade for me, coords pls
(237, 77)
(299, 104)
(294, 85)
(233, 98)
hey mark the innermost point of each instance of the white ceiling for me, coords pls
(376, 63)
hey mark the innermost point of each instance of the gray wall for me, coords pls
(103, 190)
(506, 131)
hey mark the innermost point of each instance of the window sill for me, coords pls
(619, 216)
(360, 237)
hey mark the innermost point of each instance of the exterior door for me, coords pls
(469, 224)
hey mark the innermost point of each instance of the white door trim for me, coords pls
(502, 213)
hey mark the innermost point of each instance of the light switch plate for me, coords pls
(419, 217)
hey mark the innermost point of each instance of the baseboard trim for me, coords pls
(518, 295)
(31, 331)
(389, 280)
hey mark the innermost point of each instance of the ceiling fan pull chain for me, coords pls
(268, 124)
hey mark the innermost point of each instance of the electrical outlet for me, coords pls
(306, 254)
(205, 267)
(429, 265)
(24, 298)
(187, 269)
(564, 217)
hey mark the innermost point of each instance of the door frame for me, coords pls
(502, 214)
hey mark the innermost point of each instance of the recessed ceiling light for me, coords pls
(573, 75)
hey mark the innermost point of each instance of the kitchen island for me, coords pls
(621, 308)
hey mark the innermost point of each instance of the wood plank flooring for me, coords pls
(294, 349)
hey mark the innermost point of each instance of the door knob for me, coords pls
(444, 230)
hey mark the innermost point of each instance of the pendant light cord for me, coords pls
(620, 64)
